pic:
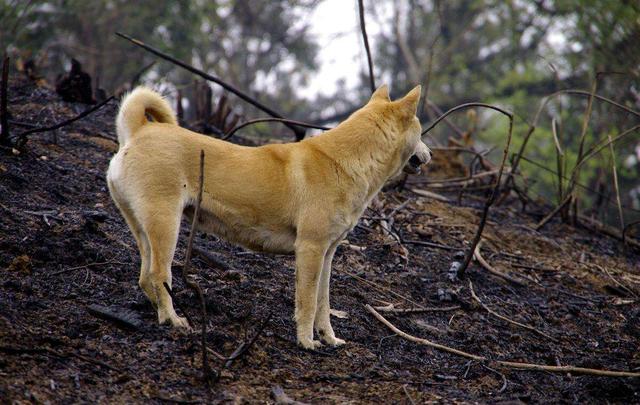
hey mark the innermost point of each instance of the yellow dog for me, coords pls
(300, 198)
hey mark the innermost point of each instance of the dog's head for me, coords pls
(414, 153)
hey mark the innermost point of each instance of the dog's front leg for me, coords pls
(322, 323)
(309, 261)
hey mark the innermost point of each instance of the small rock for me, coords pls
(452, 274)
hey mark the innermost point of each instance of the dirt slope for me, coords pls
(64, 247)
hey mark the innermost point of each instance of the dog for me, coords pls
(296, 198)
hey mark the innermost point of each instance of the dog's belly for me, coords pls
(255, 236)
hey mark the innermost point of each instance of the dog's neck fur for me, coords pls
(368, 154)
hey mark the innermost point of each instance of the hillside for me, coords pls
(64, 248)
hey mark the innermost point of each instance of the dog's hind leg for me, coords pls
(161, 228)
(322, 323)
(140, 238)
(309, 260)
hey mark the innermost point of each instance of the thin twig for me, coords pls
(502, 363)
(232, 131)
(545, 101)
(245, 346)
(379, 287)
(616, 187)
(496, 190)
(624, 287)
(363, 28)
(595, 149)
(492, 270)
(23, 136)
(392, 309)
(84, 266)
(29, 350)
(298, 132)
(192, 284)
(504, 318)
(429, 244)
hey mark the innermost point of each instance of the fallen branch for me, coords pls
(211, 260)
(245, 346)
(22, 138)
(430, 194)
(393, 310)
(429, 244)
(298, 132)
(504, 318)
(125, 319)
(597, 226)
(502, 363)
(492, 270)
(64, 355)
(624, 287)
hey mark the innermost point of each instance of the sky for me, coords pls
(336, 28)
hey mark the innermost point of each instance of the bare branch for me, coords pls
(298, 132)
(363, 28)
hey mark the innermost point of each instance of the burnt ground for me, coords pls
(64, 247)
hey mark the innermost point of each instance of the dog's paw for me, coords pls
(331, 339)
(180, 322)
(175, 320)
(310, 344)
(334, 341)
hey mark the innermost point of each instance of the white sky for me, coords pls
(336, 28)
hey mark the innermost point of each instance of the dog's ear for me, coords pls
(409, 103)
(381, 94)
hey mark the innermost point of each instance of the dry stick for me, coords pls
(192, 284)
(4, 119)
(504, 318)
(232, 131)
(379, 287)
(177, 303)
(575, 173)
(298, 132)
(23, 136)
(245, 346)
(490, 269)
(615, 183)
(581, 185)
(55, 273)
(502, 363)
(592, 152)
(597, 226)
(626, 229)
(624, 287)
(392, 309)
(363, 28)
(429, 244)
(19, 350)
(496, 190)
(545, 101)
(559, 158)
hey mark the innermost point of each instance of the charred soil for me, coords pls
(65, 248)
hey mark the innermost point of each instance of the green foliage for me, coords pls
(257, 46)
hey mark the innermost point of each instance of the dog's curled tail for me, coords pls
(134, 107)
